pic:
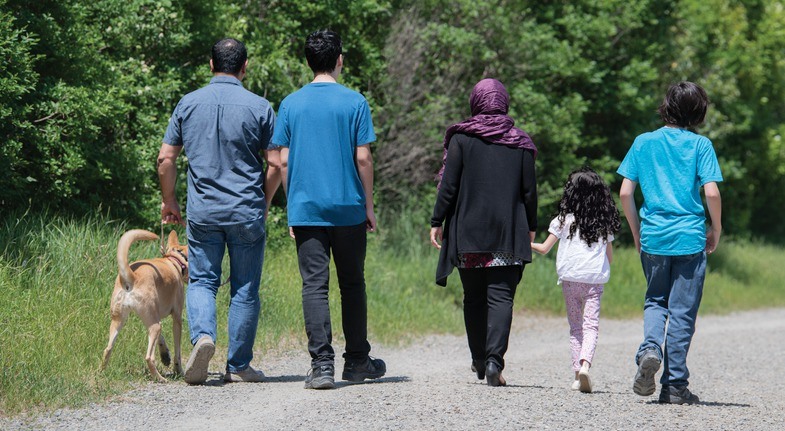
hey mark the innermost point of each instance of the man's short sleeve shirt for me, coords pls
(223, 129)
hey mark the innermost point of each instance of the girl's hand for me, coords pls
(436, 237)
(537, 247)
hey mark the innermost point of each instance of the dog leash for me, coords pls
(161, 245)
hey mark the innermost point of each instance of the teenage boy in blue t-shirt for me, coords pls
(671, 164)
(324, 131)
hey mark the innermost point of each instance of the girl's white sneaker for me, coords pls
(584, 381)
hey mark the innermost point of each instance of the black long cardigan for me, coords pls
(488, 198)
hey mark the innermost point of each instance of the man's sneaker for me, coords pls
(321, 377)
(199, 361)
(247, 375)
(644, 379)
(677, 395)
(357, 371)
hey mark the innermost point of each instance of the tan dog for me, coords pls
(153, 288)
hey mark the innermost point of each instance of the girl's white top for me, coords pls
(577, 261)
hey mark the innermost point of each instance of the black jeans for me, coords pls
(348, 244)
(487, 310)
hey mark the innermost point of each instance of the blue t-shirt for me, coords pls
(671, 165)
(322, 124)
(224, 128)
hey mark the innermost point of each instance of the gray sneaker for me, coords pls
(199, 361)
(248, 375)
(321, 377)
(677, 395)
(644, 379)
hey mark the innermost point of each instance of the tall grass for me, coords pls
(57, 274)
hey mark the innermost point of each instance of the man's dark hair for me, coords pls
(322, 49)
(684, 105)
(229, 56)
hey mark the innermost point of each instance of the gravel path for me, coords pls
(737, 364)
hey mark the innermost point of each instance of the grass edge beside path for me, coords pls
(56, 276)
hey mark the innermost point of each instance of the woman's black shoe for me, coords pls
(493, 374)
(478, 366)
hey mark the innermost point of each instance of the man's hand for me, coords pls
(167, 175)
(170, 213)
(370, 220)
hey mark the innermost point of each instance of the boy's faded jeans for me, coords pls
(675, 288)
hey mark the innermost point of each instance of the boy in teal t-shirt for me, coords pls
(324, 131)
(671, 165)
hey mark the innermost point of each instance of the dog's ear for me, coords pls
(173, 242)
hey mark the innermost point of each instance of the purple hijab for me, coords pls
(489, 103)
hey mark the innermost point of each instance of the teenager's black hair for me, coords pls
(322, 49)
(589, 200)
(229, 56)
(685, 105)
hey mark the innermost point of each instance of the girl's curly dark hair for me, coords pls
(589, 200)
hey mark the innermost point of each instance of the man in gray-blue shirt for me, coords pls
(225, 131)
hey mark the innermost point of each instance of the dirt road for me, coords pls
(737, 364)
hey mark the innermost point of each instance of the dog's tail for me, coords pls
(128, 238)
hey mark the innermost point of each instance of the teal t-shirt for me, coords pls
(322, 124)
(671, 165)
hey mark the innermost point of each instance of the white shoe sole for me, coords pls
(199, 361)
(584, 382)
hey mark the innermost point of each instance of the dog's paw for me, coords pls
(165, 359)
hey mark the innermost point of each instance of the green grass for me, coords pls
(57, 274)
(740, 276)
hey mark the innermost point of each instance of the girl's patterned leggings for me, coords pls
(583, 314)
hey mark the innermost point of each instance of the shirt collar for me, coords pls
(223, 79)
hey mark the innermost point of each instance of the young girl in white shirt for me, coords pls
(586, 223)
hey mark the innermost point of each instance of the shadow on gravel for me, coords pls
(214, 379)
(217, 379)
(285, 379)
(703, 403)
(510, 385)
(391, 379)
(719, 404)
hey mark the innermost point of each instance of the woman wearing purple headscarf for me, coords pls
(487, 202)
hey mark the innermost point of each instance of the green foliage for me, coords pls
(99, 80)
(89, 86)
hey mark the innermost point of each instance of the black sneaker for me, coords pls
(677, 395)
(357, 371)
(644, 379)
(321, 377)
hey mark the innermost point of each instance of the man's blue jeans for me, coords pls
(206, 247)
(675, 288)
